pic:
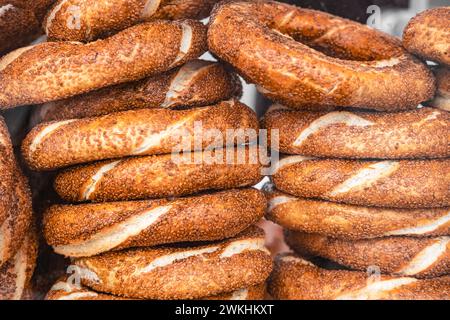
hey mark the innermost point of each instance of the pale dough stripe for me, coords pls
(96, 178)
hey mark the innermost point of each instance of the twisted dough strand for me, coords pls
(52, 71)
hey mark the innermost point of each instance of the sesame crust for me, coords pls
(15, 275)
(420, 133)
(134, 132)
(100, 18)
(6, 170)
(160, 176)
(391, 254)
(15, 227)
(405, 183)
(18, 25)
(366, 68)
(427, 35)
(200, 218)
(293, 279)
(57, 70)
(190, 278)
(211, 84)
(256, 292)
(350, 222)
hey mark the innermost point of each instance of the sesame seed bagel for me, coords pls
(85, 20)
(161, 176)
(14, 228)
(295, 278)
(56, 70)
(384, 183)
(442, 98)
(352, 222)
(136, 132)
(90, 229)
(64, 290)
(197, 83)
(404, 256)
(304, 58)
(18, 25)
(420, 133)
(428, 35)
(180, 272)
(7, 162)
(15, 275)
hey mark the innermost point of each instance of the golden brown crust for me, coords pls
(428, 35)
(420, 133)
(90, 229)
(130, 133)
(15, 275)
(366, 68)
(160, 176)
(18, 222)
(297, 279)
(57, 70)
(405, 256)
(197, 83)
(352, 222)
(6, 169)
(180, 273)
(64, 290)
(19, 23)
(388, 183)
(85, 20)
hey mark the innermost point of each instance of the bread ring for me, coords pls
(64, 290)
(57, 70)
(17, 26)
(404, 256)
(352, 222)
(442, 98)
(420, 133)
(14, 228)
(85, 20)
(366, 68)
(297, 279)
(180, 273)
(428, 35)
(15, 275)
(386, 183)
(6, 170)
(142, 132)
(197, 83)
(90, 229)
(160, 176)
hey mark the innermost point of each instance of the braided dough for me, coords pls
(142, 132)
(352, 222)
(384, 183)
(14, 228)
(428, 35)
(297, 279)
(15, 275)
(64, 290)
(365, 68)
(197, 83)
(404, 256)
(442, 98)
(421, 133)
(7, 163)
(180, 272)
(85, 20)
(56, 70)
(90, 229)
(160, 176)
